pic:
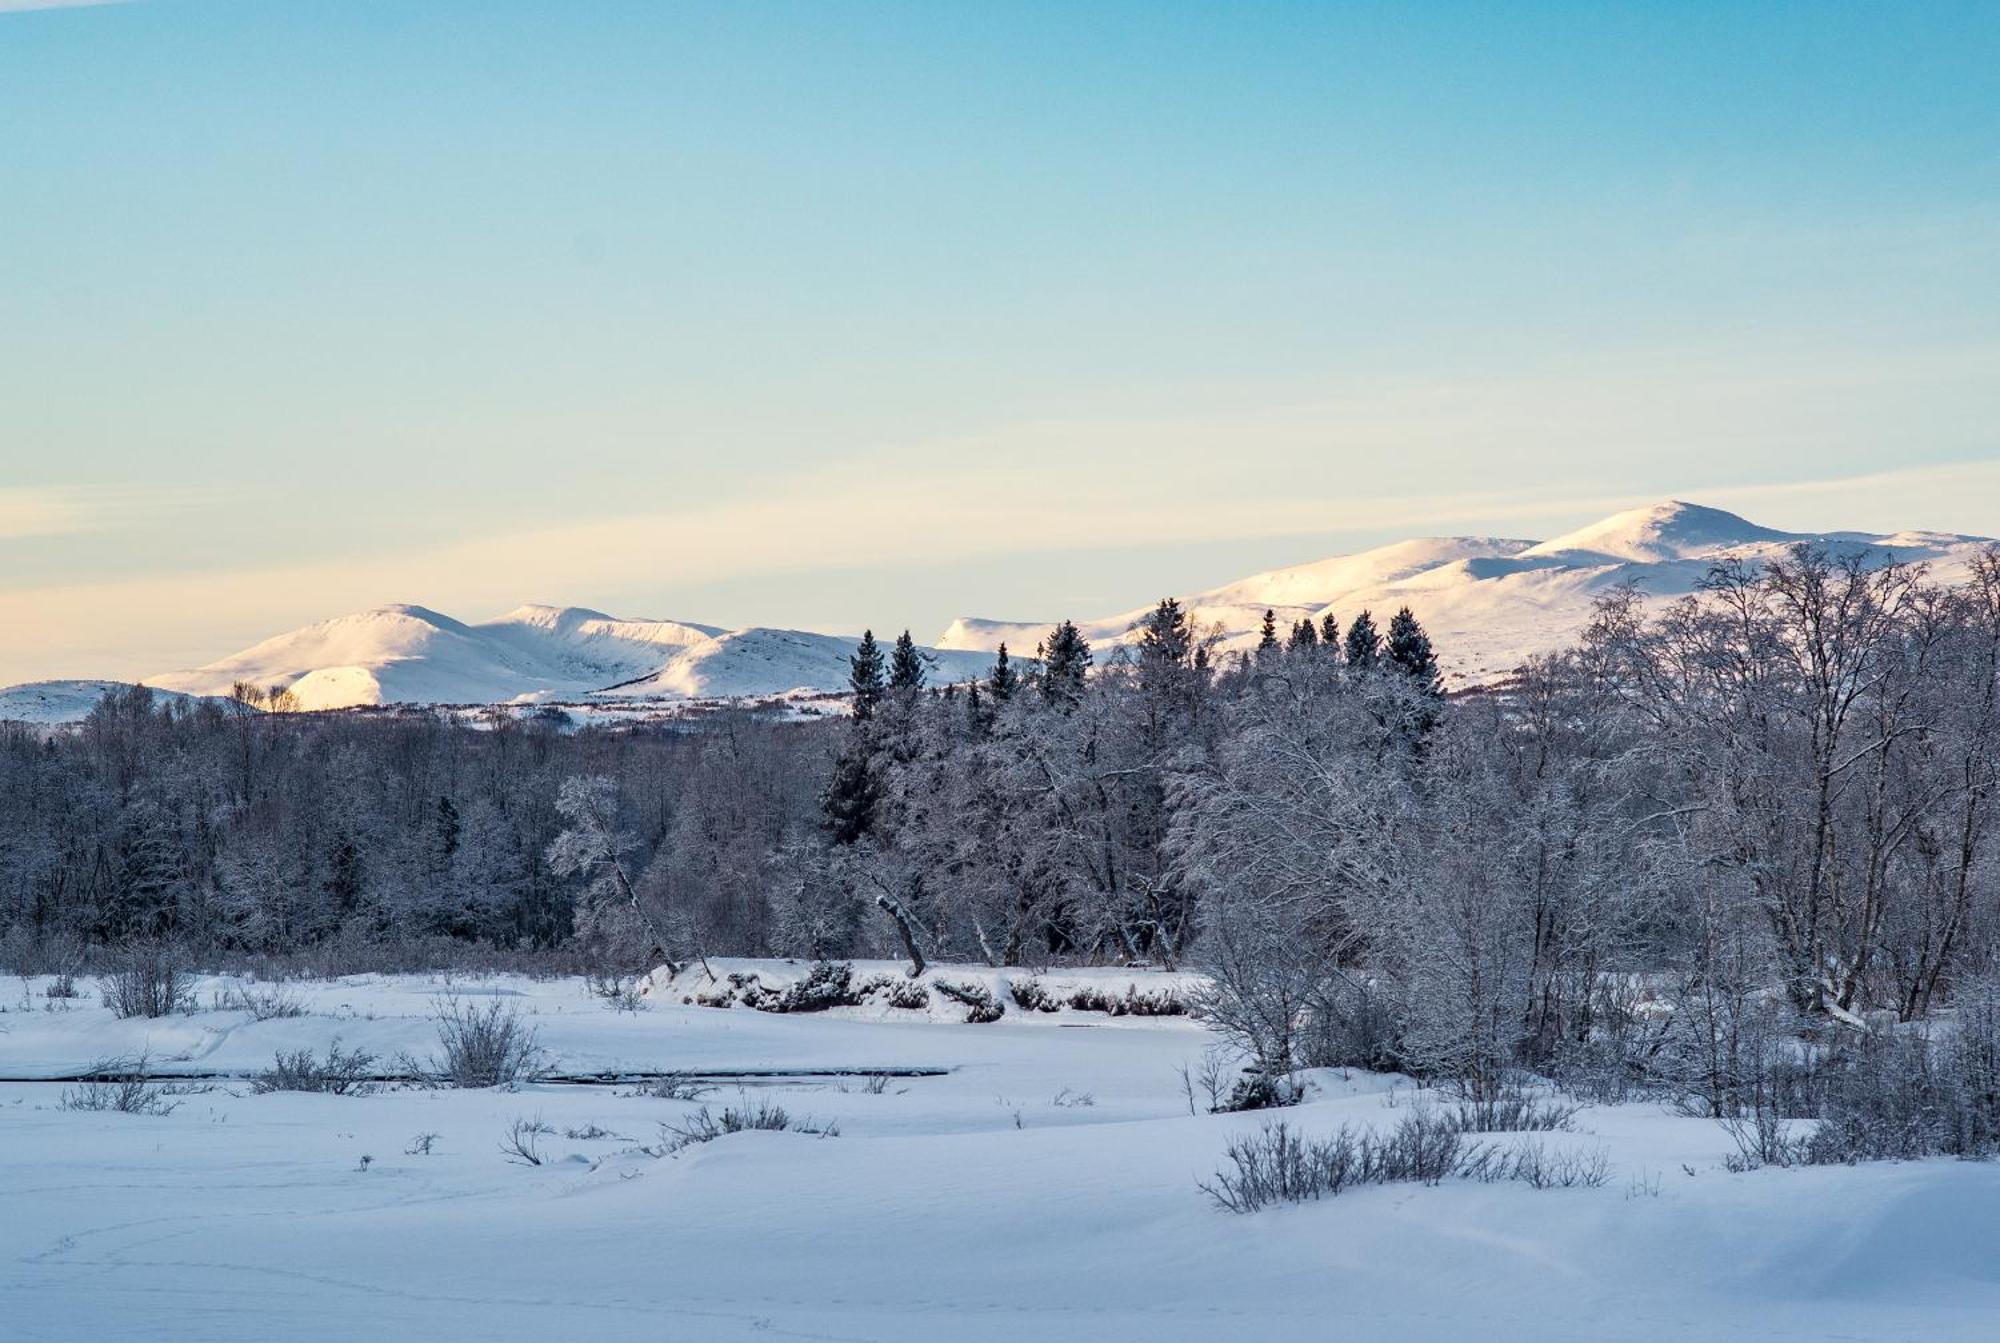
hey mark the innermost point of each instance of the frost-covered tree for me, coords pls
(1065, 657)
(865, 677)
(906, 665)
(1363, 646)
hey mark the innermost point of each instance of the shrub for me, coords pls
(485, 1046)
(671, 1087)
(1899, 1098)
(1031, 995)
(148, 984)
(1565, 1168)
(121, 1085)
(1277, 1165)
(984, 1006)
(900, 991)
(1888, 1096)
(744, 1117)
(1513, 1109)
(522, 1145)
(1258, 1090)
(827, 984)
(340, 1073)
(266, 1004)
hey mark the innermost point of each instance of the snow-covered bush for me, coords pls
(149, 982)
(484, 1046)
(121, 1085)
(671, 1087)
(1259, 1090)
(1514, 1109)
(827, 984)
(977, 997)
(342, 1072)
(522, 1145)
(1278, 1165)
(744, 1117)
(269, 1003)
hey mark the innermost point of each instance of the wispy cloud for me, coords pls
(43, 512)
(21, 6)
(65, 510)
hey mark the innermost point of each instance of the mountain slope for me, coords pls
(413, 655)
(52, 702)
(1488, 603)
(769, 662)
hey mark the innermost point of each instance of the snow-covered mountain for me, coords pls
(414, 655)
(1490, 602)
(50, 702)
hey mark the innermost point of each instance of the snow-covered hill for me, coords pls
(775, 661)
(414, 655)
(52, 702)
(1489, 602)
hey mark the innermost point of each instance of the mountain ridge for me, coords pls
(1488, 602)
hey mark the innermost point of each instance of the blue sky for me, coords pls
(832, 314)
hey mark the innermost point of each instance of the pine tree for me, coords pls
(850, 797)
(1065, 662)
(864, 676)
(1364, 645)
(1409, 651)
(1168, 639)
(445, 829)
(1305, 637)
(1329, 632)
(1267, 634)
(1004, 679)
(906, 665)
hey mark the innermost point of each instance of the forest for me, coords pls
(1709, 834)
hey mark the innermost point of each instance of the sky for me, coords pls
(840, 314)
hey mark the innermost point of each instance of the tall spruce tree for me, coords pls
(1329, 632)
(906, 665)
(1364, 645)
(1065, 662)
(851, 794)
(1169, 638)
(864, 676)
(1409, 651)
(1267, 633)
(1004, 679)
(1305, 637)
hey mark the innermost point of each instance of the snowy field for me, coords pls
(1043, 1187)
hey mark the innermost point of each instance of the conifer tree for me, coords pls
(1065, 661)
(1168, 639)
(850, 797)
(1004, 679)
(1329, 632)
(1267, 634)
(1363, 645)
(906, 665)
(864, 676)
(1409, 651)
(1305, 637)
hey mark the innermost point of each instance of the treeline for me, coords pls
(1659, 854)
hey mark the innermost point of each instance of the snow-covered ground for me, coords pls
(1043, 1188)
